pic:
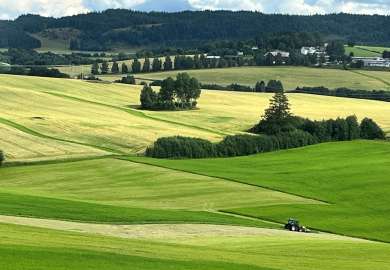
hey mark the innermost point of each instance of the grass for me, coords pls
(366, 51)
(105, 118)
(128, 184)
(352, 176)
(13, 204)
(24, 146)
(32, 248)
(291, 77)
(90, 124)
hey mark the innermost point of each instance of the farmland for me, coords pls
(107, 121)
(89, 200)
(366, 51)
(291, 77)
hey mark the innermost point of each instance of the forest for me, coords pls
(99, 30)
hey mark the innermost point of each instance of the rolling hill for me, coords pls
(74, 194)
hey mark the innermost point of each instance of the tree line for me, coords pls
(179, 94)
(99, 30)
(381, 95)
(2, 158)
(278, 129)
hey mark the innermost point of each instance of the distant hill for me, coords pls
(103, 30)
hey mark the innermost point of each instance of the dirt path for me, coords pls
(164, 231)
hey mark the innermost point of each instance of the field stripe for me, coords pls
(131, 159)
(37, 134)
(138, 113)
(371, 77)
(163, 231)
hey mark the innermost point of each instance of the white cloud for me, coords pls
(13, 8)
(227, 4)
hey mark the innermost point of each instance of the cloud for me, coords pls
(13, 8)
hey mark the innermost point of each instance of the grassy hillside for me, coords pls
(353, 177)
(291, 77)
(102, 117)
(34, 248)
(366, 51)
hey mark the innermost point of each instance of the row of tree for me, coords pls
(381, 95)
(278, 129)
(279, 119)
(179, 94)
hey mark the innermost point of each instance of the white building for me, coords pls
(373, 61)
(277, 52)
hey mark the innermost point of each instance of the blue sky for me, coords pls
(10, 9)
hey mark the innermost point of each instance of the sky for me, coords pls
(10, 9)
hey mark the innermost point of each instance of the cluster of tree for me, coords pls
(179, 94)
(129, 79)
(30, 57)
(271, 87)
(386, 54)
(2, 157)
(279, 119)
(278, 129)
(237, 145)
(100, 30)
(381, 95)
(37, 71)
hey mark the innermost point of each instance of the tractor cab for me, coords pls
(292, 225)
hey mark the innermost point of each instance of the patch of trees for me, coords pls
(31, 57)
(179, 94)
(12, 35)
(37, 71)
(129, 79)
(381, 95)
(386, 54)
(271, 87)
(2, 158)
(278, 129)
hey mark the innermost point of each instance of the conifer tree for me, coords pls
(115, 68)
(125, 68)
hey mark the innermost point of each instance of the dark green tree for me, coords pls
(156, 65)
(95, 68)
(168, 65)
(125, 68)
(148, 98)
(104, 68)
(274, 86)
(277, 117)
(136, 66)
(115, 68)
(370, 130)
(353, 127)
(2, 158)
(146, 66)
(260, 86)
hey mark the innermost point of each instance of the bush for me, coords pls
(370, 130)
(2, 158)
(181, 147)
(127, 80)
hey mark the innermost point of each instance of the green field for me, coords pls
(291, 77)
(82, 198)
(99, 118)
(366, 51)
(352, 177)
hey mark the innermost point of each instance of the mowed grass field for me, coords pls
(129, 212)
(82, 215)
(366, 51)
(291, 77)
(103, 117)
(352, 177)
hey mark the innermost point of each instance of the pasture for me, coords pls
(291, 77)
(101, 117)
(352, 177)
(366, 51)
(78, 208)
